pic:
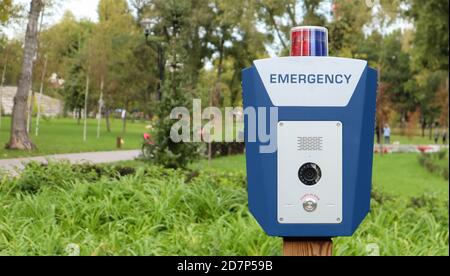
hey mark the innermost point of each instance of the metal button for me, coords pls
(310, 205)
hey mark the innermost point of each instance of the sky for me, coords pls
(88, 9)
(80, 8)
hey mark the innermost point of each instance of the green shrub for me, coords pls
(156, 211)
(36, 175)
(436, 163)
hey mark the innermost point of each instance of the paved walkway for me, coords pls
(14, 165)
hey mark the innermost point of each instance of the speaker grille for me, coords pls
(310, 143)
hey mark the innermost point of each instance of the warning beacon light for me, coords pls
(316, 182)
(309, 41)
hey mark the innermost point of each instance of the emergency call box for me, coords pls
(317, 180)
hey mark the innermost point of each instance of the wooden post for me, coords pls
(119, 142)
(307, 247)
(2, 83)
(100, 108)
(41, 92)
(86, 98)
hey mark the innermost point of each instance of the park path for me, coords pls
(14, 166)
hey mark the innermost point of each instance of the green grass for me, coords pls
(155, 211)
(397, 174)
(164, 212)
(401, 174)
(152, 212)
(66, 136)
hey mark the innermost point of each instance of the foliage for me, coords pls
(8, 9)
(164, 151)
(156, 211)
(11, 55)
(401, 228)
(431, 36)
(177, 87)
(436, 163)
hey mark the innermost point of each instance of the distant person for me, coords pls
(377, 133)
(387, 134)
(444, 137)
(437, 135)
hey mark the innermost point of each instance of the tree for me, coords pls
(74, 90)
(431, 23)
(7, 10)
(396, 71)
(111, 48)
(443, 103)
(63, 44)
(173, 23)
(430, 59)
(19, 137)
(12, 54)
(346, 27)
(279, 16)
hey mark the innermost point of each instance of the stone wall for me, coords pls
(50, 107)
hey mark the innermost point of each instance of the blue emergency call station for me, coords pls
(317, 183)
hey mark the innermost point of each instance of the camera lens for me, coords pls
(310, 174)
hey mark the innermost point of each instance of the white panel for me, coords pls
(311, 81)
(310, 142)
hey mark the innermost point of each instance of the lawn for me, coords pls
(402, 174)
(61, 209)
(397, 174)
(66, 136)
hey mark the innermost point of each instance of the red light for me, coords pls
(309, 41)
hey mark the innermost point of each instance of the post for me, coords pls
(100, 107)
(1, 90)
(41, 91)
(307, 247)
(86, 97)
(30, 109)
(119, 142)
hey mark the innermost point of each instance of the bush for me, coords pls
(37, 176)
(436, 163)
(156, 211)
(226, 149)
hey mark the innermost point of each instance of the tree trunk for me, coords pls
(124, 126)
(19, 137)
(108, 123)
(218, 90)
(41, 91)
(86, 98)
(100, 108)
(161, 69)
(277, 29)
(124, 119)
(79, 116)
